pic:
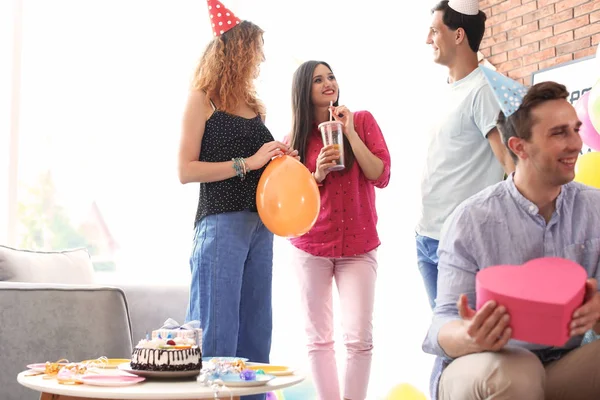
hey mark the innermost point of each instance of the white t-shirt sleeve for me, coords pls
(485, 110)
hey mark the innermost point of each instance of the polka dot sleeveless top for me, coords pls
(227, 136)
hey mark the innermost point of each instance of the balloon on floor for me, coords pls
(404, 391)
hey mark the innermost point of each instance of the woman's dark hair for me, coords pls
(474, 25)
(303, 111)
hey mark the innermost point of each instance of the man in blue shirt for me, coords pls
(538, 211)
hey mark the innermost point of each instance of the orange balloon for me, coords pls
(287, 197)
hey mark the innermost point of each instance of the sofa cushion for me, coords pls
(47, 322)
(68, 267)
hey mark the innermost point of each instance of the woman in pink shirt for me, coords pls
(344, 240)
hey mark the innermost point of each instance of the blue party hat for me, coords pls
(508, 92)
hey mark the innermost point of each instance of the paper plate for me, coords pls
(111, 380)
(41, 367)
(234, 380)
(224, 359)
(277, 370)
(111, 363)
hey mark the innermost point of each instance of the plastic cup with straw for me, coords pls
(332, 134)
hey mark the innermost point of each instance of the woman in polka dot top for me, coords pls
(225, 146)
(342, 244)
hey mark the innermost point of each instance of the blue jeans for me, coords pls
(230, 293)
(427, 259)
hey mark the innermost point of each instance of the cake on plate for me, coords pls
(170, 348)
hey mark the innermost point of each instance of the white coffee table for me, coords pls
(153, 389)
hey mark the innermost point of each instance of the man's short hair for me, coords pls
(474, 25)
(519, 123)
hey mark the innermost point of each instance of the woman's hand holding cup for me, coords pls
(326, 160)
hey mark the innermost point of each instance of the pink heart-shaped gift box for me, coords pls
(540, 296)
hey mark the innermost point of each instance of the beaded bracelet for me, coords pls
(239, 165)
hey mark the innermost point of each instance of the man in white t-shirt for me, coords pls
(466, 153)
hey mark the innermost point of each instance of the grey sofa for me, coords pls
(50, 308)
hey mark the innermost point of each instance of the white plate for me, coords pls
(234, 380)
(158, 374)
(111, 380)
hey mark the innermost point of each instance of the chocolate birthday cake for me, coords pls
(170, 348)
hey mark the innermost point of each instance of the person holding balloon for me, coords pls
(225, 146)
(343, 242)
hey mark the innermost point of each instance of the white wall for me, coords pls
(6, 35)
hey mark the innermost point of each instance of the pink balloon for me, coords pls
(587, 131)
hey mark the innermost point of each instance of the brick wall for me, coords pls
(524, 36)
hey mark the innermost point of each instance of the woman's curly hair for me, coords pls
(229, 65)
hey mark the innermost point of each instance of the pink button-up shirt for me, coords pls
(347, 223)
